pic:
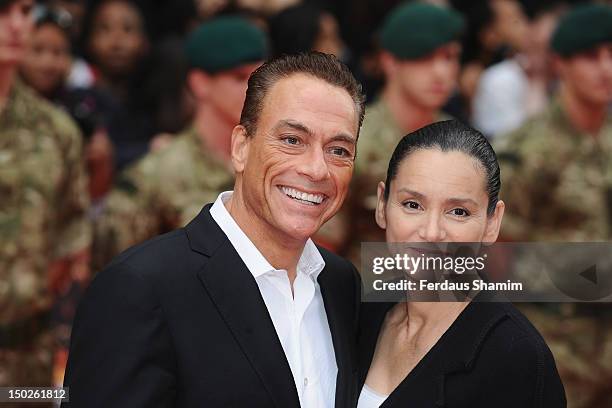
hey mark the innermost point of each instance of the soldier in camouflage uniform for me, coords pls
(44, 232)
(557, 186)
(168, 187)
(420, 59)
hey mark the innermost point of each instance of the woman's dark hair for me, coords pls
(449, 136)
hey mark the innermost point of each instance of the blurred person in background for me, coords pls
(511, 91)
(496, 29)
(558, 172)
(45, 235)
(306, 27)
(116, 43)
(166, 188)
(45, 68)
(420, 58)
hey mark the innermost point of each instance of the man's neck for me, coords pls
(215, 132)
(583, 116)
(409, 116)
(7, 77)
(280, 252)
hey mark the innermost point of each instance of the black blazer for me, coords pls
(179, 322)
(491, 356)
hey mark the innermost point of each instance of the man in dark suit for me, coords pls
(240, 308)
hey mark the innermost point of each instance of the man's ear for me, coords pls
(240, 148)
(380, 206)
(199, 83)
(494, 223)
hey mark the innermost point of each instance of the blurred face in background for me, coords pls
(224, 91)
(426, 82)
(15, 28)
(509, 27)
(588, 75)
(118, 40)
(47, 61)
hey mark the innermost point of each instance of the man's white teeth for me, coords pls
(300, 195)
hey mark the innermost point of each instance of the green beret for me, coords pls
(224, 43)
(416, 29)
(582, 28)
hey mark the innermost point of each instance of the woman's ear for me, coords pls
(240, 148)
(494, 223)
(380, 206)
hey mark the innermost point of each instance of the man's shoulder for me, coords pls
(339, 266)
(155, 259)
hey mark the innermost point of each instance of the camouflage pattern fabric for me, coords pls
(557, 186)
(556, 181)
(164, 190)
(43, 218)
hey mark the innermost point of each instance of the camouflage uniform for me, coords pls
(557, 184)
(43, 204)
(379, 136)
(161, 192)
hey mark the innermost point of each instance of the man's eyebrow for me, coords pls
(343, 137)
(293, 125)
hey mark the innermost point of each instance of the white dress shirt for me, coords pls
(370, 398)
(299, 319)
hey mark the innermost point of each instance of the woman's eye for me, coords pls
(413, 205)
(460, 212)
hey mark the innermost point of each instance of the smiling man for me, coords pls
(240, 308)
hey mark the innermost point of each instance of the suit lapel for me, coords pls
(236, 295)
(332, 293)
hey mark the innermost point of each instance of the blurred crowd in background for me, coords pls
(153, 89)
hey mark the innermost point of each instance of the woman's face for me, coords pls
(118, 40)
(438, 197)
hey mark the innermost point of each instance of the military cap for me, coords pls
(416, 29)
(582, 28)
(224, 43)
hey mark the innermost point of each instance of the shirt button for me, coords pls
(305, 381)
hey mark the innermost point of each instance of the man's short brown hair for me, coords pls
(316, 64)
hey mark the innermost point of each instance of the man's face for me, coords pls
(588, 75)
(118, 39)
(47, 60)
(427, 82)
(15, 27)
(299, 162)
(226, 91)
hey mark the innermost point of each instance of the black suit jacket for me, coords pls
(491, 356)
(179, 322)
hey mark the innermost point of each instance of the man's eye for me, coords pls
(340, 151)
(291, 140)
(413, 205)
(460, 212)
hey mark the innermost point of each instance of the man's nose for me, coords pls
(313, 164)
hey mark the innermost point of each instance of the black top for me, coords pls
(491, 356)
(179, 322)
